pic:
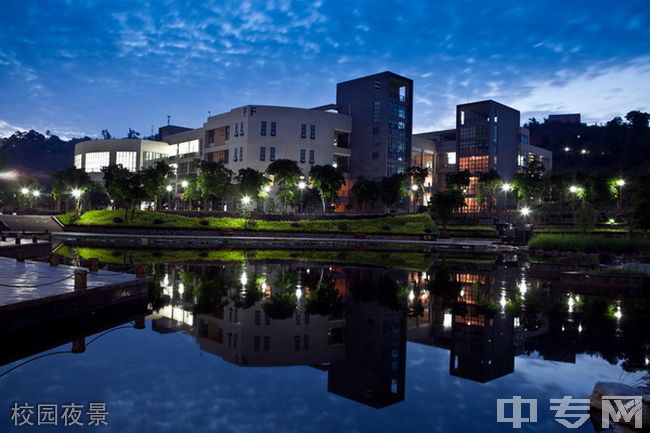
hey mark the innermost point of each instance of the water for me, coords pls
(347, 348)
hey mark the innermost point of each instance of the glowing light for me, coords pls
(583, 151)
(24, 191)
(620, 182)
(503, 302)
(9, 175)
(411, 296)
(267, 188)
(446, 320)
(168, 188)
(76, 193)
(335, 165)
(243, 279)
(618, 314)
(414, 188)
(579, 328)
(302, 184)
(567, 149)
(185, 184)
(611, 221)
(523, 288)
(562, 328)
(647, 361)
(506, 187)
(462, 293)
(36, 193)
(571, 302)
(264, 285)
(181, 288)
(298, 293)
(246, 200)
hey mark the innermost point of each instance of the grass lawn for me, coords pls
(401, 260)
(589, 244)
(419, 224)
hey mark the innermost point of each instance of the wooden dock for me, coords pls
(36, 294)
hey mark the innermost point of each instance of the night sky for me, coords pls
(77, 67)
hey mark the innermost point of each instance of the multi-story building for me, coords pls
(367, 133)
(381, 108)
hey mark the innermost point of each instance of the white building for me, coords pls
(133, 154)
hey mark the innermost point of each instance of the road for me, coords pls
(30, 223)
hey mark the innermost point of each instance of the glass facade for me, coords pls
(128, 160)
(96, 160)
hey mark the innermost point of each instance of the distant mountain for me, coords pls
(37, 155)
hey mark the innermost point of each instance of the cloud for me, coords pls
(600, 93)
(6, 129)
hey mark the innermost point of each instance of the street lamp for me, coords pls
(414, 189)
(506, 187)
(525, 211)
(245, 200)
(301, 186)
(24, 190)
(169, 188)
(185, 184)
(36, 193)
(76, 193)
(620, 183)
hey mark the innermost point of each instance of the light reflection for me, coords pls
(446, 322)
(579, 328)
(244, 278)
(411, 296)
(618, 314)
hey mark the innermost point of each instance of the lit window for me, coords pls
(462, 117)
(187, 147)
(451, 158)
(127, 159)
(96, 160)
(77, 161)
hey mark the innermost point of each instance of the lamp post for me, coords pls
(185, 184)
(414, 189)
(579, 192)
(245, 210)
(506, 187)
(620, 183)
(76, 193)
(169, 188)
(301, 186)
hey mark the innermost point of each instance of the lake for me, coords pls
(292, 343)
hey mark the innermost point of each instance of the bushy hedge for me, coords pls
(589, 244)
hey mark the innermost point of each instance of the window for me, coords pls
(227, 133)
(241, 154)
(296, 342)
(402, 93)
(312, 158)
(273, 129)
(258, 318)
(272, 156)
(267, 343)
(302, 156)
(188, 147)
(211, 136)
(473, 163)
(263, 128)
(234, 158)
(256, 343)
(312, 132)
(397, 128)
(397, 110)
(462, 117)
(262, 155)
(236, 134)
(96, 160)
(127, 159)
(305, 344)
(376, 111)
(394, 167)
(451, 158)
(234, 341)
(77, 161)
(303, 131)
(241, 127)
(396, 149)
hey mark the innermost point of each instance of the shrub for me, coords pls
(118, 220)
(343, 226)
(589, 244)
(204, 222)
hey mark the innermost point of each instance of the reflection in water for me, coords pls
(353, 323)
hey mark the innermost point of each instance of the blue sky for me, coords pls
(77, 67)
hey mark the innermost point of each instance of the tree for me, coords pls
(133, 134)
(68, 180)
(365, 191)
(106, 135)
(486, 187)
(155, 179)
(327, 180)
(530, 183)
(418, 177)
(458, 180)
(214, 181)
(191, 193)
(641, 203)
(125, 188)
(286, 173)
(393, 189)
(443, 204)
(250, 183)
